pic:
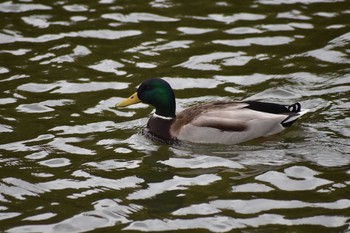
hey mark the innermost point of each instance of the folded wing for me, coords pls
(233, 122)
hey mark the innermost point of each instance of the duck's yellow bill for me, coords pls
(134, 99)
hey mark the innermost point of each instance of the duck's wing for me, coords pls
(232, 122)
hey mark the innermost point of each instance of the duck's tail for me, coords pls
(295, 112)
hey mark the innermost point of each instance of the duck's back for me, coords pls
(231, 122)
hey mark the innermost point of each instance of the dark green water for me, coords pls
(71, 162)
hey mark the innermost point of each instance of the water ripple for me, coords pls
(137, 17)
(294, 179)
(201, 162)
(76, 8)
(95, 34)
(40, 217)
(265, 41)
(194, 31)
(9, 6)
(21, 145)
(107, 212)
(109, 66)
(187, 83)
(69, 88)
(115, 164)
(236, 17)
(279, 2)
(45, 106)
(226, 224)
(73, 162)
(256, 206)
(58, 162)
(177, 183)
(154, 48)
(251, 188)
(206, 61)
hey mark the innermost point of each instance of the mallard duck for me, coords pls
(223, 122)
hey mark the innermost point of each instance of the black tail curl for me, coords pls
(294, 107)
(273, 108)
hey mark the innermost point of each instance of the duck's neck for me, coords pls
(166, 112)
(167, 107)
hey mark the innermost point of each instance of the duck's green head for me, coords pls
(157, 93)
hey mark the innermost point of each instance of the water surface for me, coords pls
(71, 162)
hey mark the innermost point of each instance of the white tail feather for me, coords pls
(293, 118)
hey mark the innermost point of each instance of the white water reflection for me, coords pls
(3, 70)
(279, 2)
(227, 224)
(104, 34)
(107, 212)
(78, 51)
(55, 144)
(65, 66)
(320, 154)
(269, 28)
(39, 21)
(176, 183)
(84, 183)
(19, 189)
(76, 8)
(89, 182)
(109, 66)
(243, 31)
(329, 56)
(22, 145)
(4, 101)
(109, 105)
(294, 179)
(45, 106)
(137, 17)
(96, 127)
(138, 142)
(115, 164)
(209, 61)
(256, 206)
(64, 87)
(9, 6)
(40, 217)
(57, 162)
(194, 31)
(333, 51)
(37, 155)
(251, 188)
(146, 65)
(5, 128)
(187, 83)
(63, 144)
(7, 215)
(236, 17)
(293, 14)
(17, 52)
(153, 48)
(245, 80)
(201, 162)
(264, 41)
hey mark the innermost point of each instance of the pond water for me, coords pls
(71, 162)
